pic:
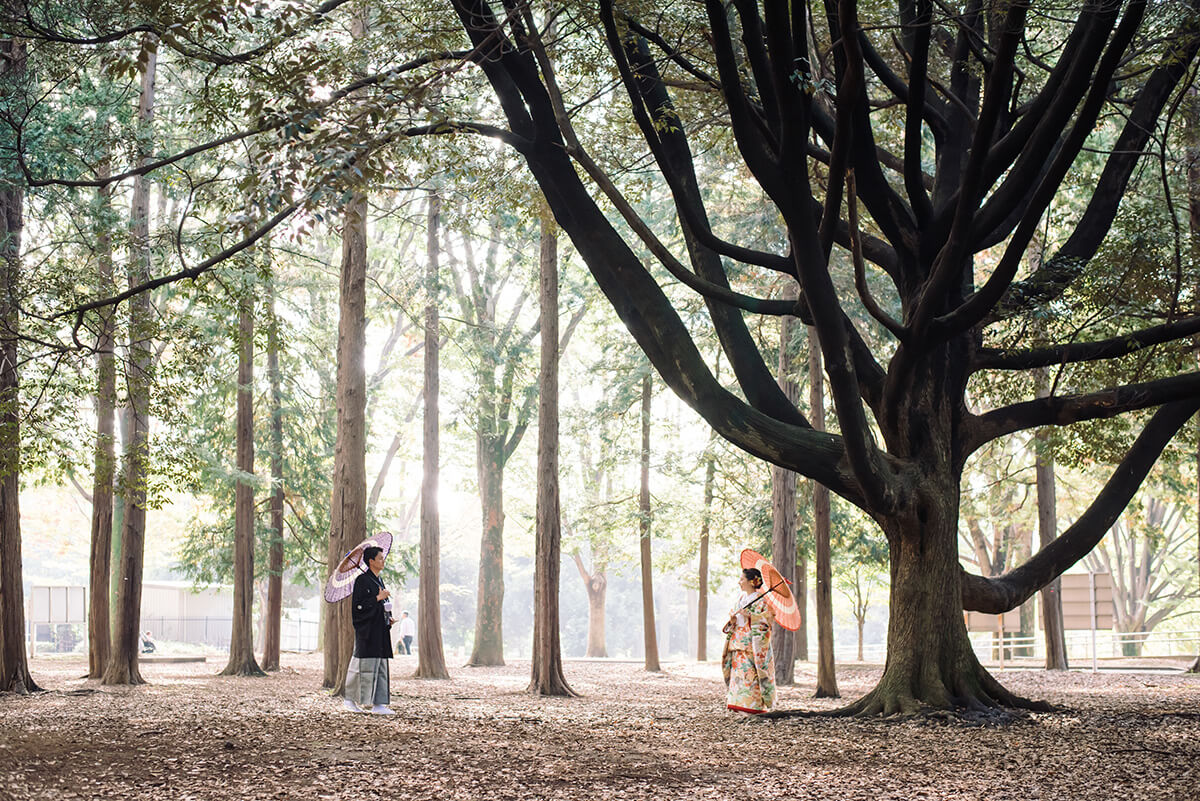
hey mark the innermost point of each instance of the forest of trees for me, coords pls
(938, 261)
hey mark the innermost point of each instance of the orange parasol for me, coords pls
(777, 592)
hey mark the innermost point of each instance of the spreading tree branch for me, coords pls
(1000, 594)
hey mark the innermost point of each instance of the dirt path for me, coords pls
(633, 735)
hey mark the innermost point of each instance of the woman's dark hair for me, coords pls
(371, 552)
(754, 575)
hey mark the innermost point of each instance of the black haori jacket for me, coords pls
(371, 639)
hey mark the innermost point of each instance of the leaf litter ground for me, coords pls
(632, 735)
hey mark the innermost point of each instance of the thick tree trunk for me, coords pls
(241, 638)
(930, 663)
(348, 504)
(547, 673)
(100, 560)
(783, 505)
(123, 663)
(644, 516)
(431, 660)
(274, 613)
(826, 670)
(489, 607)
(710, 473)
(14, 667)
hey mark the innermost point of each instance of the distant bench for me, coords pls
(169, 660)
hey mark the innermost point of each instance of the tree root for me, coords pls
(975, 698)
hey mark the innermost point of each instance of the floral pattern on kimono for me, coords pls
(748, 663)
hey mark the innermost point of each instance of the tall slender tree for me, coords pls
(710, 475)
(139, 376)
(431, 660)
(274, 610)
(826, 668)
(645, 517)
(100, 560)
(1047, 525)
(547, 670)
(14, 668)
(241, 640)
(348, 505)
(501, 420)
(783, 505)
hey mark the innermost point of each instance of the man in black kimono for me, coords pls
(367, 680)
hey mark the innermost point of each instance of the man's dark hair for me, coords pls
(371, 552)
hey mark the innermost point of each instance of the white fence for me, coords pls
(1108, 646)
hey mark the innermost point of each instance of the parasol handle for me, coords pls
(764, 595)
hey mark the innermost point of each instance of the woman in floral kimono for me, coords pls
(748, 662)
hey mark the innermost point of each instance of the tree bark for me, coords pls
(644, 518)
(826, 670)
(100, 560)
(431, 660)
(1047, 505)
(783, 503)
(547, 671)
(241, 638)
(930, 662)
(14, 667)
(123, 663)
(121, 446)
(348, 504)
(274, 613)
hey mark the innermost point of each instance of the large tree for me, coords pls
(348, 504)
(989, 128)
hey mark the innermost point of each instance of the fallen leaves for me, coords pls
(192, 735)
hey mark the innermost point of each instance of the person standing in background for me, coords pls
(408, 630)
